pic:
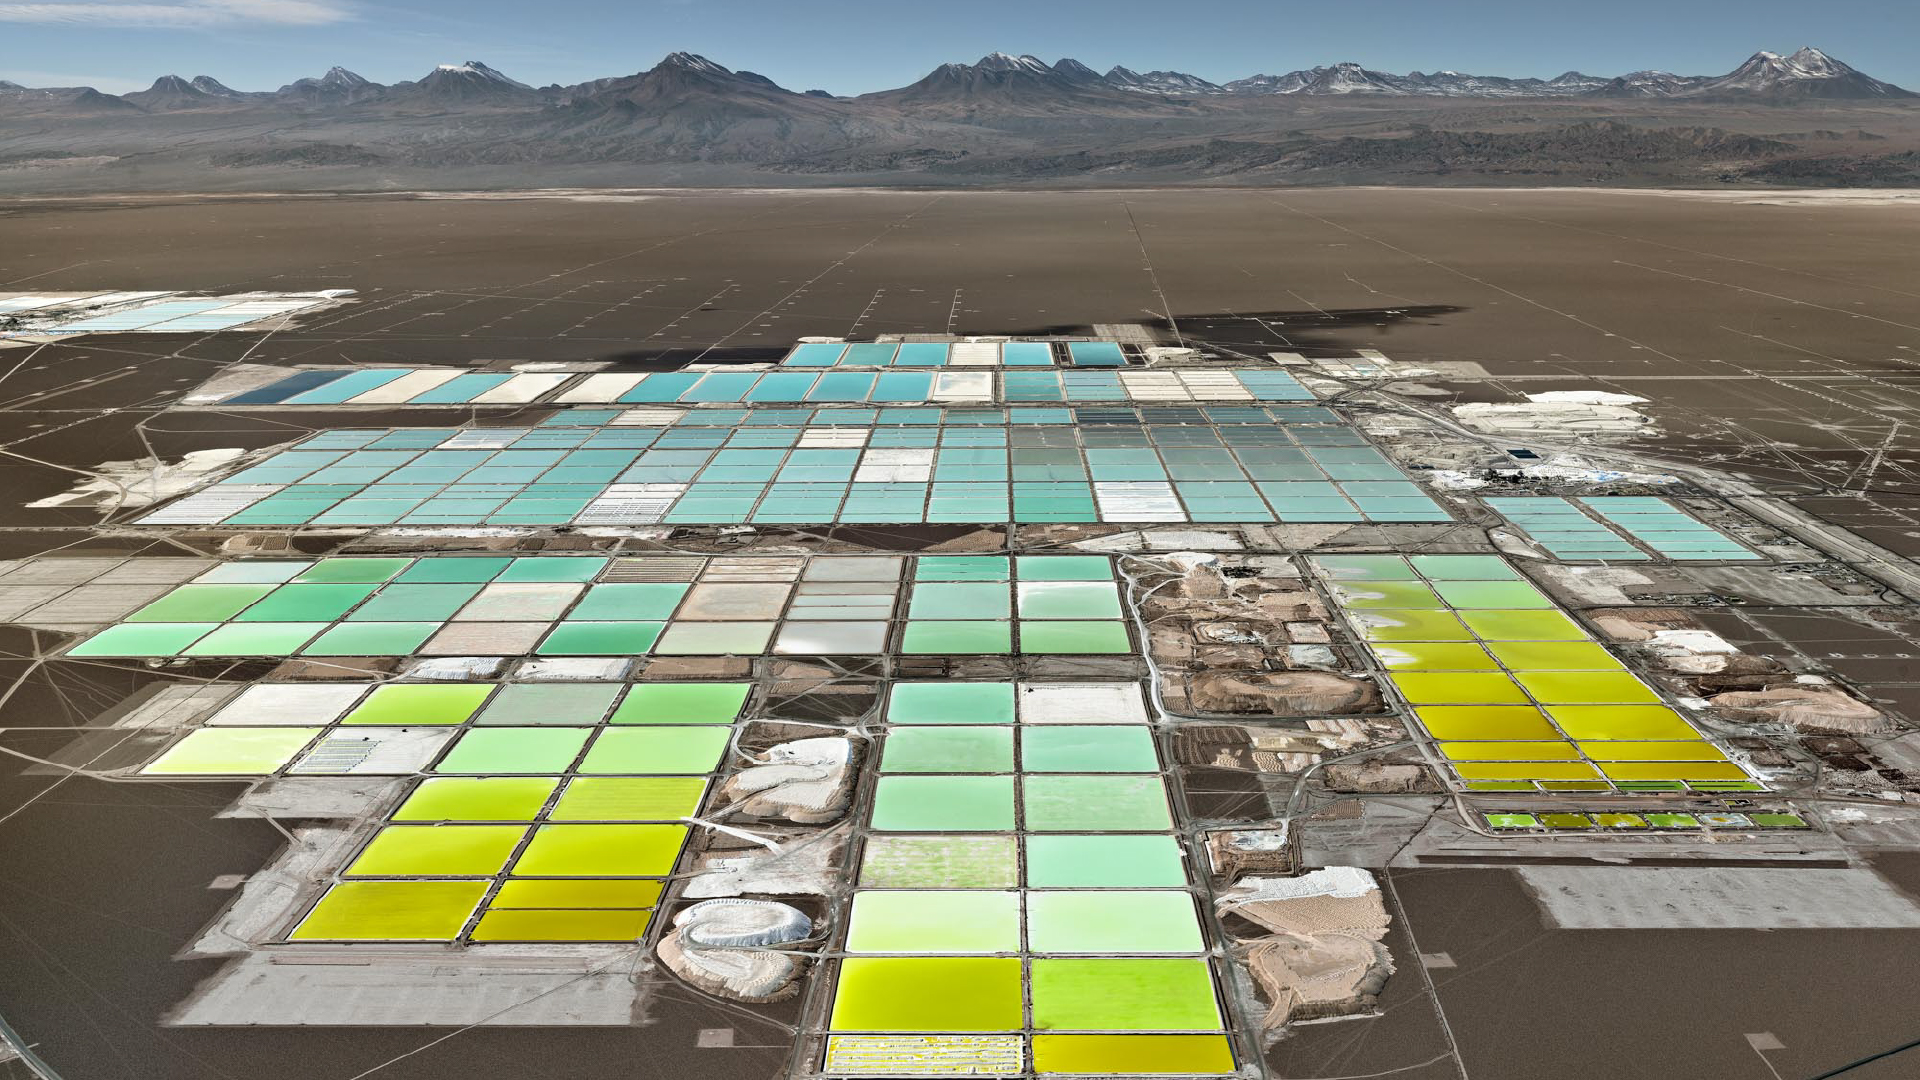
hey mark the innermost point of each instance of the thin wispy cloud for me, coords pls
(187, 15)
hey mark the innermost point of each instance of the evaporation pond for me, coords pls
(1621, 722)
(1094, 803)
(656, 750)
(1112, 922)
(577, 925)
(1553, 655)
(1434, 656)
(1068, 861)
(682, 703)
(437, 851)
(1108, 1055)
(1410, 624)
(935, 922)
(1493, 624)
(1387, 594)
(944, 803)
(1124, 995)
(950, 703)
(626, 798)
(1074, 636)
(943, 993)
(411, 704)
(570, 893)
(514, 750)
(952, 862)
(1464, 567)
(948, 750)
(392, 911)
(601, 851)
(1069, 600)
(1486, 722)
(1586, 687)
(477, 798)
(231, 751)
(1365, 567)
(1492, 594)
(1088, 748)
(1458, 688)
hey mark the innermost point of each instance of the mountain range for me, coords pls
(1806, 74)
(689, 121)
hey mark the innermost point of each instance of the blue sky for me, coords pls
(854, 46)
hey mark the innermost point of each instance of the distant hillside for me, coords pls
(1004, 118)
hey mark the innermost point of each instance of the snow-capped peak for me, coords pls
(1808, 71)
(207, 84)
(1160, 82)
(1348, 77)
(1810, 62)
(475, 67)
(1000, 61)
(694, 62)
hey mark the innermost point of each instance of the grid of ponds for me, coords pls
(15, 303)
(959, 354)
(1658, 821)
(537, 812)
(455, 605)
(1019, 851)
(1022, 901)
(1667, 529)
(150, 313)
(404, 386)
(1514, 693)
(424, 386)
(1569, 531)
(1564, 529)
(719, 466)
(1012, 387)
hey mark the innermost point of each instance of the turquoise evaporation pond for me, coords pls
(1094, 803)
(1057, 604)
(1107, 861)
(948, 749)
(1088, 748)
(918, 354)
(950, 703)
(1242, 468)
(944, 804)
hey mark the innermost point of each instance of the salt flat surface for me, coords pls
(1718, 898)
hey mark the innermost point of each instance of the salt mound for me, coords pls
(723, 947)
(1584, 397)
(807, 781)
(1326, 956)
(1810, 708)
(1346, 881)
(734, 923)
